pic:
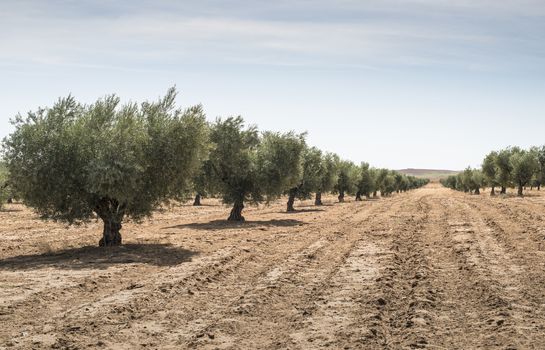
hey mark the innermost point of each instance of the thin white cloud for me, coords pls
(393, 32)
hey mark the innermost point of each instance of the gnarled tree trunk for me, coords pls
(493, 191)
(520, 190)
(197, 201)
(341, 196)
(291, 199)
(318, 200)
(110, 235)
(358, 196)
(374, 194)
(111, 212)
(478, 191)
(503, 190)
(236, 212)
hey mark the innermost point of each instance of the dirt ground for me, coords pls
(428, 269)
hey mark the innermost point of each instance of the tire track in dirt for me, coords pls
(132, 308)
(401, 316)
(35, 290)
(113, 299)
(427, 269)
(503, 316)
(116, 311)
(517, 216)
(291, 298)
(452, 301)
(114, 288)
(334, 320)
(380, 298)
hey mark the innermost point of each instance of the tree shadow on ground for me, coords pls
(301, 210)
(10, 210)
(226, 225)
(513, 195)
(91, 257)
(11, 207)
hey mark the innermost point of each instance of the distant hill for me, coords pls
(432, 174)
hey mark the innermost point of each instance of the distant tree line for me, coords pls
(509, 167)
(74, 162)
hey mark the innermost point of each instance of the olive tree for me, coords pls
(249, 167)
(233, 161)
(380, 179)
(310, 175)
(346, 181)
(470, 180)
(540, 172)
(400, 180)
(467, 180)
(5, 193)
(74, 162)
(388, 184)
(204, 183)
(375, 178)
(415, 182)
(461, 183)
(365, 183)
(328, 175)
(490, 171)
(279, 163)
(504, 167)
(449, 182)
(524, 165)
(477, 181)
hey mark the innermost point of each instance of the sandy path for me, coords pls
(428, 269)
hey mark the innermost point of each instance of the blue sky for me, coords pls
(419, 83)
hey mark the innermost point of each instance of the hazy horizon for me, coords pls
(399, 84)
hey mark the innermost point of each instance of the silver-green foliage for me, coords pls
(252, 167)
(347, 178)
(280, 163)
(329, 172)
(311, 174)
(4, 185)
(72, 162)
(504, 167)
(539, 177)
(365, 182)
(490, 170)
(524, 165)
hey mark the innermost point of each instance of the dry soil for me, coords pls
(432, 268)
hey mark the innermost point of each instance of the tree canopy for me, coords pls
(5, 188)
(511, 166)
(524, 165)
(310, 179)
(365, 182)
(346, 180)
(504, 168)
(490, 171)
(252, 167)
(72, 162)
(328, 175)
